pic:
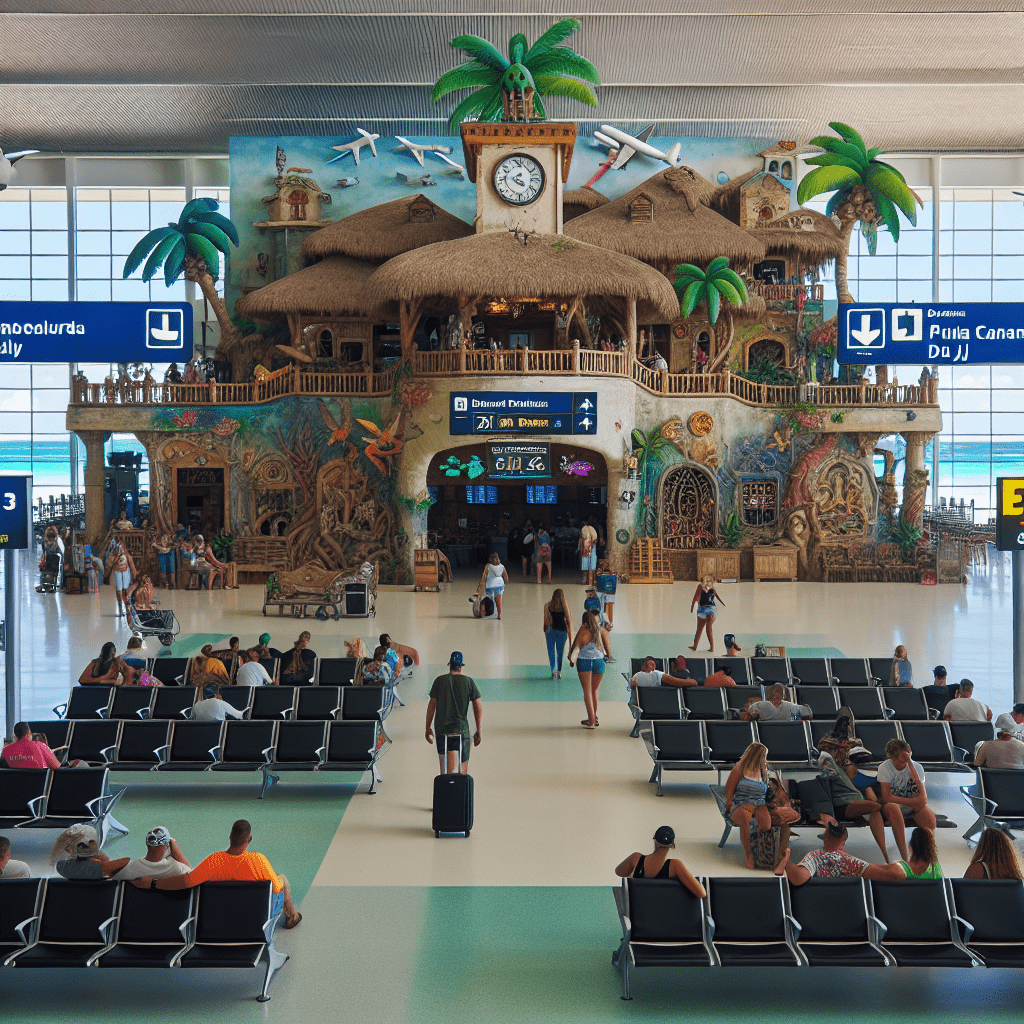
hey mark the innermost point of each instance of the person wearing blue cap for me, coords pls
(448, 713)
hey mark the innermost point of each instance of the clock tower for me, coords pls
(519, 168)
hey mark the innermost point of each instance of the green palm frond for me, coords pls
(558, 32)
(551, 85)
(214, 234)
(848, 134)
(517, 47)
(143, 247)
(474, 105)
(174, 265)
(696, 292)
(218, 221)
(481, 50)
(465, 76)
(727, 290)
(713, 299)
(884, 182)
(202, 247)
(717, 264)
(826, 179)
(563, 61)
(157, 256)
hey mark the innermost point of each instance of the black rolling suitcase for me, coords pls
(453, 798)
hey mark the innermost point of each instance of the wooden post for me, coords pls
(462, 358)
(726, 379)
(631, 332)
(369, 376)
(576, 356)
(296, 379)
(95, 518)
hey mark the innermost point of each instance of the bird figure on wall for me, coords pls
(339, 431)
(7, 169)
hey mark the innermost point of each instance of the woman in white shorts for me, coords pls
(494, 579)
(122, 572)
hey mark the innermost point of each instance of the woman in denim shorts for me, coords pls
(590, 642)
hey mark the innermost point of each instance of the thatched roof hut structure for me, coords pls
(333, 287)
(579, 201)
(665, 221)
(501, 263)
(802, 236)
(386, 230)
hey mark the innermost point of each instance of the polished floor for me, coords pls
(516, 922)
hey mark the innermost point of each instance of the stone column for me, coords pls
(95, 510)
(915, 480)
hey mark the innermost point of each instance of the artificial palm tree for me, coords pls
(867, 191)
(718, 284)
(192, 246)
(510, 89)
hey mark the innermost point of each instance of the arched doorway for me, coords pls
(767, 351)
(687, 503)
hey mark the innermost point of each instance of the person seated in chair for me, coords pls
(229, 653)
(774, 709)
(108, 669)
(903, 794)
(236, 864)
(298, 665)
(377, 671)
(995, 857)
(409, 655)
(25, 752)
(1013, 722)
(214, 708)
(723, 677)
(11, 868)
(206, 669)
(1003, 752)
(133, 655)
(76, 854)
(924, 856)
(658, 864)
(649, 675)
(834, 862)
(964, 708)
(162, 860)
(250, 672)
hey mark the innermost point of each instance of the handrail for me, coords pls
(576, 362)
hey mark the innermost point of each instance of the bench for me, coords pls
(65, 924)
(828, 922)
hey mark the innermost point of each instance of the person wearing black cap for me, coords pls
(659, 865)
(448, 712)
(937, 695)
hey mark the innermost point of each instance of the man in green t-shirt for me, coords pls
(448, 710)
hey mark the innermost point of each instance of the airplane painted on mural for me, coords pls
(417, 181)
(346, 182)
(417, 151)
(365, 139)
(629, 145)
(7, 170)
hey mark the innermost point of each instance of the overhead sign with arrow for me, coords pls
(518, 412)
(950, 333)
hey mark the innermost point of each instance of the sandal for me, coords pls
(292, 924)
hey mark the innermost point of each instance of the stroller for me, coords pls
(49, 573)
(158, 622)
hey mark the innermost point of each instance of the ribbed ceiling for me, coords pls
(100, 76)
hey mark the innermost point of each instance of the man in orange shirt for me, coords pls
(723, 677)
(236, 864)
(26, 752)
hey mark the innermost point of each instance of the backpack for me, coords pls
(544, 546)
(146, 680)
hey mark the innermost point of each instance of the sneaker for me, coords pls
(554, 674)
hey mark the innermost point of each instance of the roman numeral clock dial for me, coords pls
(519, 179)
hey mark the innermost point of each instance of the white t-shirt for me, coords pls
(1006, 722)
(213, 709)
(901, 782)
(967, 709)
(768, 712)
(495, 580)
(16, 869)
(142, 868)
(1000, 754)
(648, 678)
(252, 673)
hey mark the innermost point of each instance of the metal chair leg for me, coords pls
(268, 781)
(275, 961)
(659, 790)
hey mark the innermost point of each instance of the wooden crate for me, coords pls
(775, 562)
(648, 562)
(721, 563)
(427, 570)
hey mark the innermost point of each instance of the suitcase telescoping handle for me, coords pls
(458, 764)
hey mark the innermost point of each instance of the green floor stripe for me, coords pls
(186, 644)
(293, 826)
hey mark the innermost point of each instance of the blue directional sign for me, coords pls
(102, 332)
(517, 412)
(963, 332)
(15, 511)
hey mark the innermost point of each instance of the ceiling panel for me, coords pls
(95, 75)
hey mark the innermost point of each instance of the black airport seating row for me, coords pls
(59, 798)
(58, 923)
(322, 671)
(788, 671)
(690, 745)
(828, 922)
(648, 703)
(231, 746)
(997, 796)
(134, 703)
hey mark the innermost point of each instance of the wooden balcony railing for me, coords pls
(518, 363)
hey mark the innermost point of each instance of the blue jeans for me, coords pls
(556, 639)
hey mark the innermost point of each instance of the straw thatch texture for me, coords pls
(384, 231)
(684, 229)
(332, 287)
(498, 264)
(579, 200)
(803, 235)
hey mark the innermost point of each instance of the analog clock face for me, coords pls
(519, 179)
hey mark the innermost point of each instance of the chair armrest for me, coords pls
(321, 753)
(267, 751)
(26, 928)
(933, 715)
(106, 927)
(795, 925)
(710, 924)
(61, 710)
(880, 928)
(40, 810)
(109, 753)
(143, 713)
(967, 926)
(163, 753)
(186, 927)
(960, 754)
(215, 754)
(889, 713)
(835, 680)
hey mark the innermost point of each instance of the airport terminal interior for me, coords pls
(426, 332)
